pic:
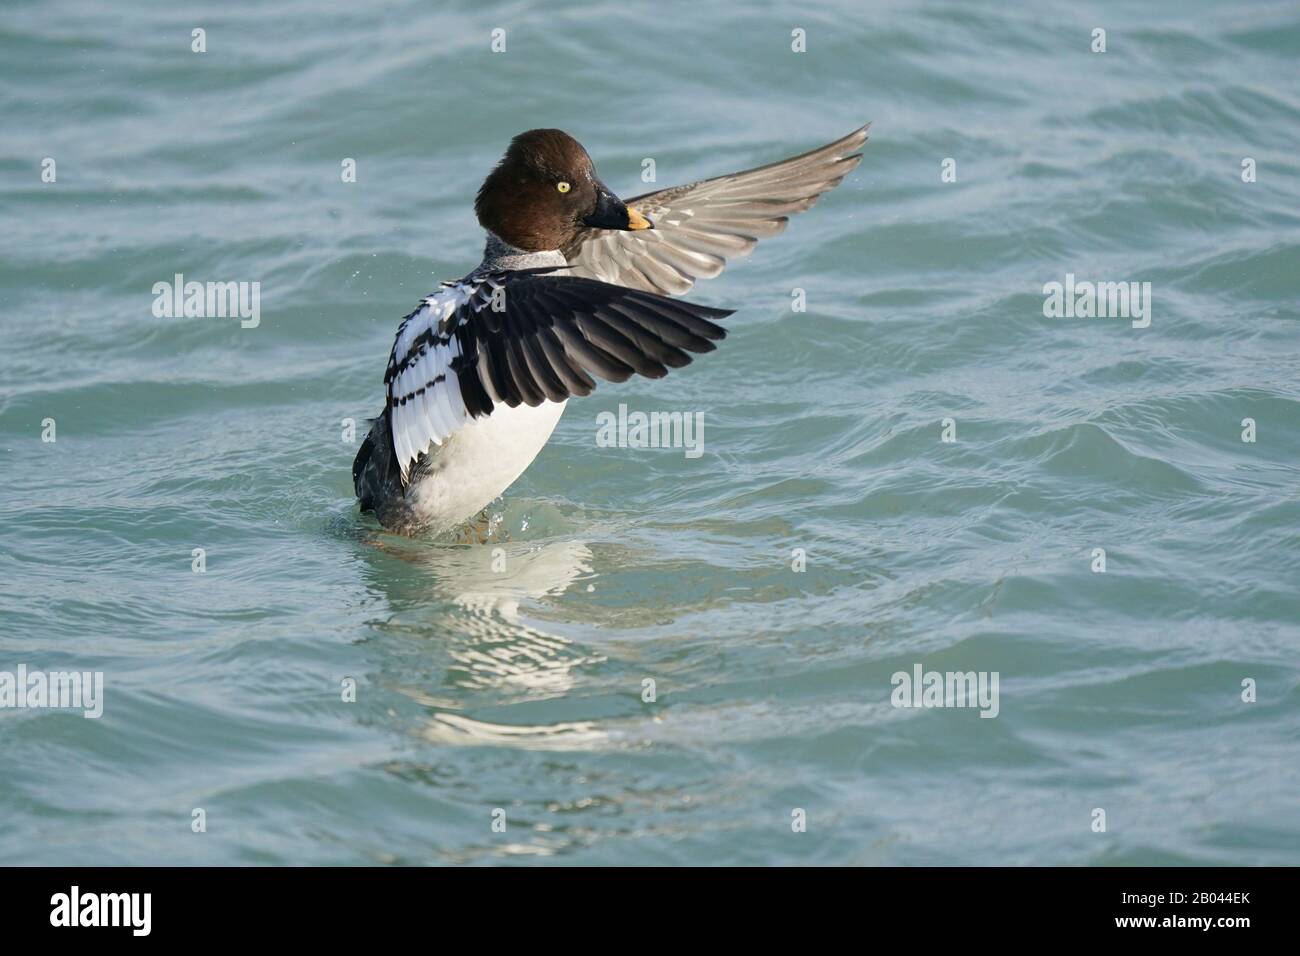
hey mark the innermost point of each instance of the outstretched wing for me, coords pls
(698, 226)
(527, 337)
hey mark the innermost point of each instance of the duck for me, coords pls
(575, 285)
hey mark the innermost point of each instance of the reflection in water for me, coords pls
(468, 606)
(446, 728)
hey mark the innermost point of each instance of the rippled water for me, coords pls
(522, 689)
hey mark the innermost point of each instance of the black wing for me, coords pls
(526, 337)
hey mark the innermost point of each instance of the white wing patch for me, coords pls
(423, 390)
(454, 362)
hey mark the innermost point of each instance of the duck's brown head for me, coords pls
(545, 191)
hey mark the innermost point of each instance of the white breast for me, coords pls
(480, 461)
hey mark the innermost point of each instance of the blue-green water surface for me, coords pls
(515, 679)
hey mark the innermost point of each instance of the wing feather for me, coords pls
(456, 357)
(698, 226)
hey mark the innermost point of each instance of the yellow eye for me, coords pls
(563, 187)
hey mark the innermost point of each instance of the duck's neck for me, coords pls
(499, 256)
